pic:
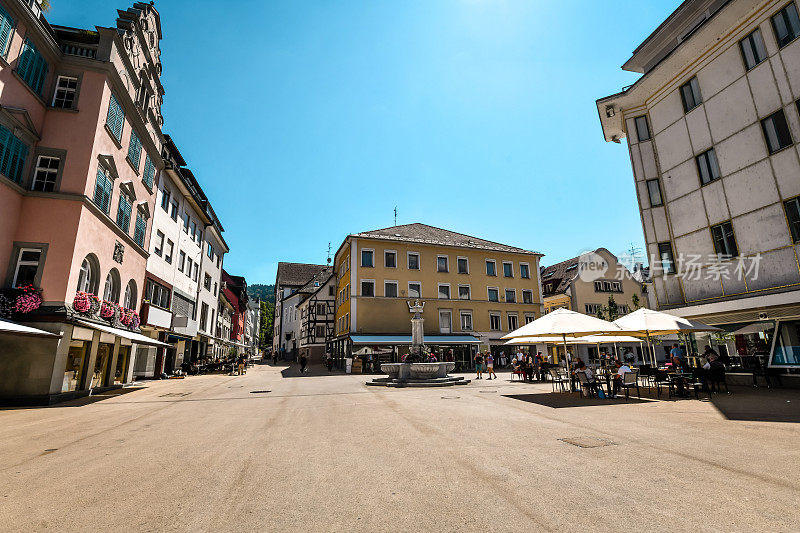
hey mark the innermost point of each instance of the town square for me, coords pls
(419, 265)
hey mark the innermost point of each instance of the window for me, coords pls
(32, 67)
(792, 208)
(149, 174)
(367, 287)
(493, 294)
(445, 321)
(442, 264)
(491, 267)
(193, 231)
(102, 191)
(753, 51)
(321, 309)
(320, 332)
(189, 265)
(390, 289)
(140, 229)
(690, 94)
(529, 318)
(203, 315)
(513, 322)
(13, 153)
(165, 196)
(390, 259)
(463, 265)
(111, 290)
(414, 289)
(707, 166)
(511, 296)
(642, 129)
(156, 294)
(786, 24)
(66, 89)
(186, 222)
(195, 271)
(158, 245)
(367, 258)
(724, 241)
(463, 292)
(593, 309)
(115, 118)
(87, 276)
(215, 289)
(524, 271)
(6, 27)
(174, 213)
(508, 269)
(776, 132)
(444, 291)
(494, 321)
(527, 296)
(198, 235)
(168, 251)
(129, 301)
(27, 267)
(46, 174)
(666, 257)
(654, 190)
(124, 212)
(210, 252)
(181, 261)
(413, 261)
(466, 321)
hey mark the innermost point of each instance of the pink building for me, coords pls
(80, 155)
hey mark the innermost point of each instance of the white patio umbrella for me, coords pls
(564, 323)
(649, 322)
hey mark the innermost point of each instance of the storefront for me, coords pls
(375, 349)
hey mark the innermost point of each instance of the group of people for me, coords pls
(529, 365)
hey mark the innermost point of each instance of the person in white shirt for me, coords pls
(621, 369)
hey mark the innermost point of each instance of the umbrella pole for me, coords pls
(566, 362)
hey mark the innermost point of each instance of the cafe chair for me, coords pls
(588, 386)
(661, 380)
(630, 380)
(717, 378)
(559, 380)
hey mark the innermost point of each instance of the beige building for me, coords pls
(711, 127)
(474, 290)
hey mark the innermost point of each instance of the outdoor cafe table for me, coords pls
(680, 381)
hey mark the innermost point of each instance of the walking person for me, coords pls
(479, 365)
(303, 363)
(490, 365)
(241, 365)
(329, 361)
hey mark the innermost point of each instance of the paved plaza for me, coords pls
(326, 453)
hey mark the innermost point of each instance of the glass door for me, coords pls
(123, 359)
(75, 366)
(101, 365)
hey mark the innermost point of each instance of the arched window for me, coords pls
(87, 277)
(130, 296)
(111, 290)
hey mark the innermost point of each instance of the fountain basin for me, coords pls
(424, 370)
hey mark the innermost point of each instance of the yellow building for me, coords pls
(474, 290)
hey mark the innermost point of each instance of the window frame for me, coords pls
(446, 264)
(463, 314)
(794, 225)
(408, 260)
(703, 161)
(371, 251)
(639, 131)
(783, 12)
(448, 312)
(439, 291)
(19, 249)
(386, 254)
(672, 268)
(751, 42)
(493, 262)
(361, 288)
(159, 249)
(469, 291)
(495, 315)
(169, 251)
(510, 264)
(529, 292)
(67, 91)
(693, 87)
(514, 292)
(418, 283)
(396, 284)
(650, 192)
(728, 240)
(458, 264)
(488, 294)
(771, 118)
(527, 269)
(56, 173)
(515, 316)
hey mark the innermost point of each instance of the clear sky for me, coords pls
(308, 120)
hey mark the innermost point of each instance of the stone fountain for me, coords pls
(414, 371)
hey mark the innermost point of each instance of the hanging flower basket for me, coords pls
(129, 318)
(109, 310)
(86, 303)
(28, 301)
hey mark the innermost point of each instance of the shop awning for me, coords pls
(406, 339)
(6, 326)
(138, 338)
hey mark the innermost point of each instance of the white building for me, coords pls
(317, 315)
(712, 127)
(289, 278)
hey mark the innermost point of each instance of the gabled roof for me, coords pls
(424, 234)
(297, 274)
(562, 273)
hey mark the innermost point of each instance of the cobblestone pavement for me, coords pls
(324, 452)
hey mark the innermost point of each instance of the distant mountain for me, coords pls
(262, 292)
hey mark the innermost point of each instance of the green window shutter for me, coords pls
(32, 67)
(13, 154)
(135, 149)
(115, 118)
(141, 227)
(149, 172)
(124, 213)
(102, 191)
(6, 25)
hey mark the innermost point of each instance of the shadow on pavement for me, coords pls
(293, 371)
(559, 400)
(759, 405)
(78, 402)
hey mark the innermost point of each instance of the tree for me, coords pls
(636, 301)
(612, 309)
(266, 324)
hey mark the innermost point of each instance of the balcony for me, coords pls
(155, 316)
(183, 325)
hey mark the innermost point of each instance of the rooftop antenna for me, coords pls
(395, 215)
(634, 254)
(329, 252)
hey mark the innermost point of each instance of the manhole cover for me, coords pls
(450, 397)
(174, 394)
(259, 391)
(48, 450)
(588, 442)
(487, 391)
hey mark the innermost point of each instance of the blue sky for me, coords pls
(306, 121)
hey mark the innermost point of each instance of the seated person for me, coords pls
(621, 369)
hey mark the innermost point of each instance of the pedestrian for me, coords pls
(479, 365)
(329, 361)
(490, 365)
(241, 365)
(303, 362)
(502, 360)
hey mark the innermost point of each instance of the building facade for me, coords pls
(711, 128)
(317, 313)
(474, 290)
(289, 278)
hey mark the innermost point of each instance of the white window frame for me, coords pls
(528, 265)
(461, 315)
(527, 291)
(395, 258)
(419, 260)
(488, 298)
(459, 258)
(396, 288)
(361, 287)
(49, 172)
(361, 257)
(494, 262)
(447, 261)
(20, 262)
(499, 316)
(158, 249)
(469, 291)
(410, 283)
(439, 291)
(515, 316)
(529, 317)
(512, 269)
(449, 312)
(74, 91)
(505, 294)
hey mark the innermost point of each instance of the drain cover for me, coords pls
(450, 397)
(48, 450)
(174, 394)
(487, 391)
(588, 442)
(259, 391)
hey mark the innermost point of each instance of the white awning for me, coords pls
(138, 338)
(6, 326)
